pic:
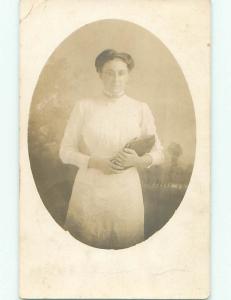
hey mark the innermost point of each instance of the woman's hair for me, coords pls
(111, 54)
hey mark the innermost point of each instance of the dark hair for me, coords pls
(110, 54)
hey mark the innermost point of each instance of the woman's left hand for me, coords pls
(127, 158)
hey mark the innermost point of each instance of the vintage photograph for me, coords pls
(112, 134)
(114, 149)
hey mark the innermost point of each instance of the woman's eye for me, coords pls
(111, 74)
(108, 73)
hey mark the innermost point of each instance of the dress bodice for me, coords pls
(109, 125)
(102, 126)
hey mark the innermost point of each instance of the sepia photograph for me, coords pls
(111, 134)
(114, 149)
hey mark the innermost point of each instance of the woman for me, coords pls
(106, 207)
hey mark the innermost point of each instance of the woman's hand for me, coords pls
(129, 158)
(105, 165)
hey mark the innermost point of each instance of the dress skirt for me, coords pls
(106, 211)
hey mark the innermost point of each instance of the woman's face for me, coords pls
(114, 76)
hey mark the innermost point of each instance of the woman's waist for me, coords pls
(104, 152)
(94, 176)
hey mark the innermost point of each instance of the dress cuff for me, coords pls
(77, 159)
(82, 160)
(157, 157)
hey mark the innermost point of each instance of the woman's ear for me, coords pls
(100, 75)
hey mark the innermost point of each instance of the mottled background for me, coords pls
(157, 79)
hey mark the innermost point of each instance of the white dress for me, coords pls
(106, 211)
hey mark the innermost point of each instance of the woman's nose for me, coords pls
(116, 77)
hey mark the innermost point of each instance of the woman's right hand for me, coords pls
(105, 165)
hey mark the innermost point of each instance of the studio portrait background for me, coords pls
(69, 75)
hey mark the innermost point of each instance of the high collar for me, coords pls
(111, 97)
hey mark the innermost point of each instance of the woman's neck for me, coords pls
(112, 96)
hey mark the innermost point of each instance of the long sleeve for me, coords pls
(69, 149)
(148, 127)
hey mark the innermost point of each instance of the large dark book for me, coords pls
(142, 145)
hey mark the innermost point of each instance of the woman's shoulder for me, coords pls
(141, 105)
(83, 104)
